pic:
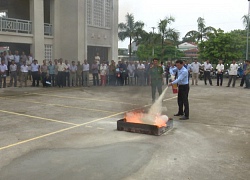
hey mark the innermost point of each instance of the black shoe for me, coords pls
(227, 86)
(184, 118)
(178, 114)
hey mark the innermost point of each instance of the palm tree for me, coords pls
(174, 36)
(202, 31)
(130, 30)
(162, 26)
(245, 20)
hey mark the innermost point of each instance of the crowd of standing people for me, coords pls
(22, 67)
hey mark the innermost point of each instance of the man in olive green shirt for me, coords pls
(156, 76)
(247, 73)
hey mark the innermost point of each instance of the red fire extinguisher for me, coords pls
(175, 88)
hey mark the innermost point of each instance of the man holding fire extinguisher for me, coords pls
(183, 90)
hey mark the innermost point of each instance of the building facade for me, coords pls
(68, 29)
(190, 50)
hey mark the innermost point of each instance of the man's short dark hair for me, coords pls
(156, 59)
(179, 62)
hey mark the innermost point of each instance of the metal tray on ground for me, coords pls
(122, 125)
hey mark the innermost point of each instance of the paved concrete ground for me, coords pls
(52, 133)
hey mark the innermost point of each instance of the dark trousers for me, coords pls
(35, 78)
(156, 84)
(232, 77)
(66, 79)
(207, 76)
(219, 79)
(44, 78)
(243, 79)
(248, 81)
(112, 80)
(183, 99)
(52, 79)
(2, 81)
(95, 79)
(60, 78)
(13, 76)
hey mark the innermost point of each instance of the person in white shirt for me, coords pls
(61, 67)
(24, 74)
(67, 74)
(85, 73)
(73, 69)
(195, 68)
(13, 74)
(220, 70)
(207, 72)
(35, 71)
(6, 58)
(3, 72)
(232, 73)
(140, 71)
(103, 73)
(29, 61)
(131, 72)
(97, 59)
(11, 57)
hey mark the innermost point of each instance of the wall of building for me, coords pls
(69, 29)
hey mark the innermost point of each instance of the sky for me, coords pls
(224, 14)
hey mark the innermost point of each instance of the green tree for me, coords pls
(224, 46)
(202, 32)
(130, 29)
(163, 28)
(245, 20)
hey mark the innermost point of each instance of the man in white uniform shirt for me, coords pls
(73, 69)
(85, 73)
(13, 74)
(195, 68)
(207, 70)
(35, 71)
(140, 70)
(29, 61)
(24, 74)
(67, 74)
(3, 72)
(232, 73)
(220, 70)
(11, 57)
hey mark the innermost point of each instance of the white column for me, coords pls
(55, 21)
(114, 49)
(37, 18)
(82, 30)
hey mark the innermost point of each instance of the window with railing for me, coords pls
(89, 11)
(108, 13)
(99, 13)
(48, 52)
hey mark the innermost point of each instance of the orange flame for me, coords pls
(137, 117)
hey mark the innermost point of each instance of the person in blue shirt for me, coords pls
(243, 79)
(183, 90)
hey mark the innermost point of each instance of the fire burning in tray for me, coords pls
(140, 117)
(147, 123)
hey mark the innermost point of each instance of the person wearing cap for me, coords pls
(156, 77)
(183, 90)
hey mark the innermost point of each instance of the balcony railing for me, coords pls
(21, 26)
(47, 29)
(15, 25)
